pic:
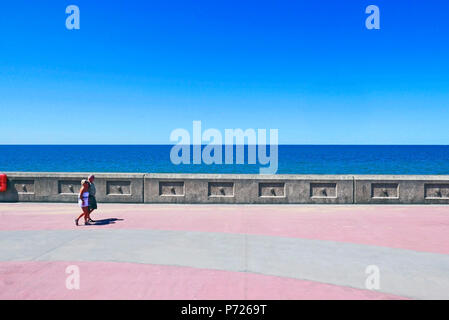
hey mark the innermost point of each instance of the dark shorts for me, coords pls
(92, 203)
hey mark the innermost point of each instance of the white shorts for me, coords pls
(83, 203)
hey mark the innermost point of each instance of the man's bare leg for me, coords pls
(90, 211)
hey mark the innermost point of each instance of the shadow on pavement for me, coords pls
(105, 221)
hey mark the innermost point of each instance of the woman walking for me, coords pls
(83, 200)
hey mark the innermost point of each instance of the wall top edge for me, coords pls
(227, 176)
(245, 176)
(72, 175)
(402, 177)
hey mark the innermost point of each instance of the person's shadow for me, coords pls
(106, 221)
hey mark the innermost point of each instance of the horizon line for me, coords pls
(175, 144)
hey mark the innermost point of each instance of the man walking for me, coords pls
(92, 200)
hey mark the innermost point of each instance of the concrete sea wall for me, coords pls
(230, 188)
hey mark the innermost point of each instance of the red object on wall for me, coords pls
(3, 182)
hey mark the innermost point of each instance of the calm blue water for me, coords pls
(293, 159)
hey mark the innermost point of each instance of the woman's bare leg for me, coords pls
(86, 214)
(82, 214)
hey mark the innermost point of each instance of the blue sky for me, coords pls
(136, 70)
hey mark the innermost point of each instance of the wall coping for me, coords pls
(230, 176)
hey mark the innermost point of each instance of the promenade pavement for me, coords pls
(145, 251)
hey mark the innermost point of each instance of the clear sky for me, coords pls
(136, 70)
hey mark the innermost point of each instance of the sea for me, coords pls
(291, 159)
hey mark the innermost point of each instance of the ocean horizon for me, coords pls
(292, 159)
